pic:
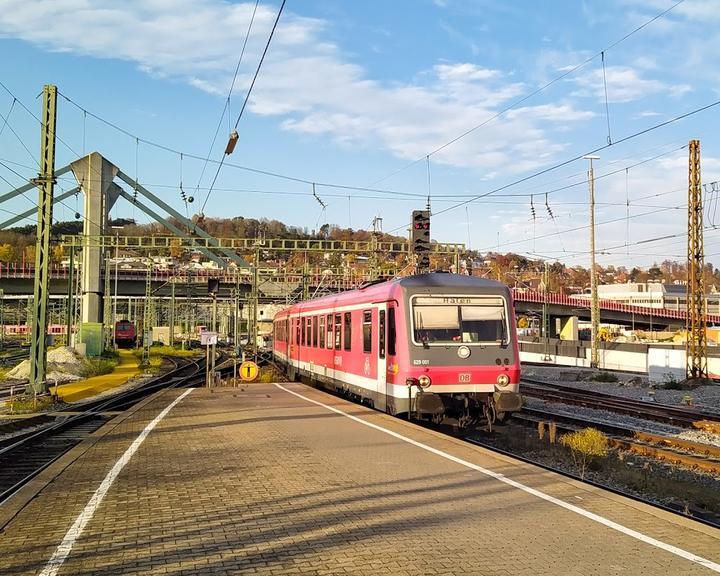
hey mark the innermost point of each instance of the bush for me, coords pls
(28, 404)
(671, 382)
(268, 374)
(98, 366)
(586, 445)
(603, 376)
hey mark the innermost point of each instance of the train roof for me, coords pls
(445, 280)
(439, 280)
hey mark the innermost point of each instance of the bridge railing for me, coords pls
(610, 305)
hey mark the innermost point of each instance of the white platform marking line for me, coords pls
(63, 550)
(572, 508)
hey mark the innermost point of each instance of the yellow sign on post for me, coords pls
(249, 371)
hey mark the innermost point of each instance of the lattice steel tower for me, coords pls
(696, 346)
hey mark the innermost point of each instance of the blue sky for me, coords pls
(352, 93)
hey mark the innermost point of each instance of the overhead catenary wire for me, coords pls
(226, 108)
(322, 184)
(7, 117)
(515, 103)
(247, 98)
(578, 157)
(607, 106)
(55, 135)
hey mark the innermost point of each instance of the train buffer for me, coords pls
(282, 478)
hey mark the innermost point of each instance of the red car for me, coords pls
(439, 345)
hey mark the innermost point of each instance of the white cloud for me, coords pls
(464, 73)
(624, 84)
(695, 10)
(305, 81)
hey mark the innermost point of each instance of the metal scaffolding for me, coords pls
(696, 344)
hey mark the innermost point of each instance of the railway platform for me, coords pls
(284, 479)
(125, 370)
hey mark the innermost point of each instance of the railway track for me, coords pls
(686, 417)
(694, 455)
(28, 452)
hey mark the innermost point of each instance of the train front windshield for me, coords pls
(459, 320)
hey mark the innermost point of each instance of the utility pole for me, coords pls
(147, 320)
(252, 331)
(215, 331)
(594, 305)
(172, 311)
(107, 305)
(46, 184)
(115, 298)
(236, 311)
(545, 315)
(70, 316)
(695, 323)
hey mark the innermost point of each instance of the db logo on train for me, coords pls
(249, 371)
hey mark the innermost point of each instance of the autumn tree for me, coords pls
(7, 253)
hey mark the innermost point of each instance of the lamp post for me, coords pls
(594, 306)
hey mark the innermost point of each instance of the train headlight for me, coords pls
(503, 380)
(463, 352)
(424, 381)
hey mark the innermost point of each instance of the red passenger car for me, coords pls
(125, 334)
(440, 345)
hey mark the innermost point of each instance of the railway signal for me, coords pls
(420, 238)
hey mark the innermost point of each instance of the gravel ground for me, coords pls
(663, 483)
(605, 416)
(628, 386)
(63, 365)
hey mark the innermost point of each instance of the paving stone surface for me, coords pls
(262, 482)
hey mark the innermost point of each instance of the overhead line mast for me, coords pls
(696, 342)
(46, 184)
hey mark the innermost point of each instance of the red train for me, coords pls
(125, 334)
(439, 345)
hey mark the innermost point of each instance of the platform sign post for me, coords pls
(208, 339)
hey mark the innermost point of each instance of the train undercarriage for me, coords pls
(466, 409)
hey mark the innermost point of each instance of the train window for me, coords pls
(329, 334)
(348, 330)
(338, 333)
(367, 331)
(302, 331)
(391, 332)
(381, 334)
(308, 330)
(321, 336)
(296, 323)
(315, 331)
(477, 319)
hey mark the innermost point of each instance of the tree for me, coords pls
(58, 252)
(586, 445)
(175, 249)
(7, 253)
(29, 253)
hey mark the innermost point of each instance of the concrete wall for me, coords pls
(660, 362)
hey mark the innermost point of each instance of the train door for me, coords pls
(382, 391)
